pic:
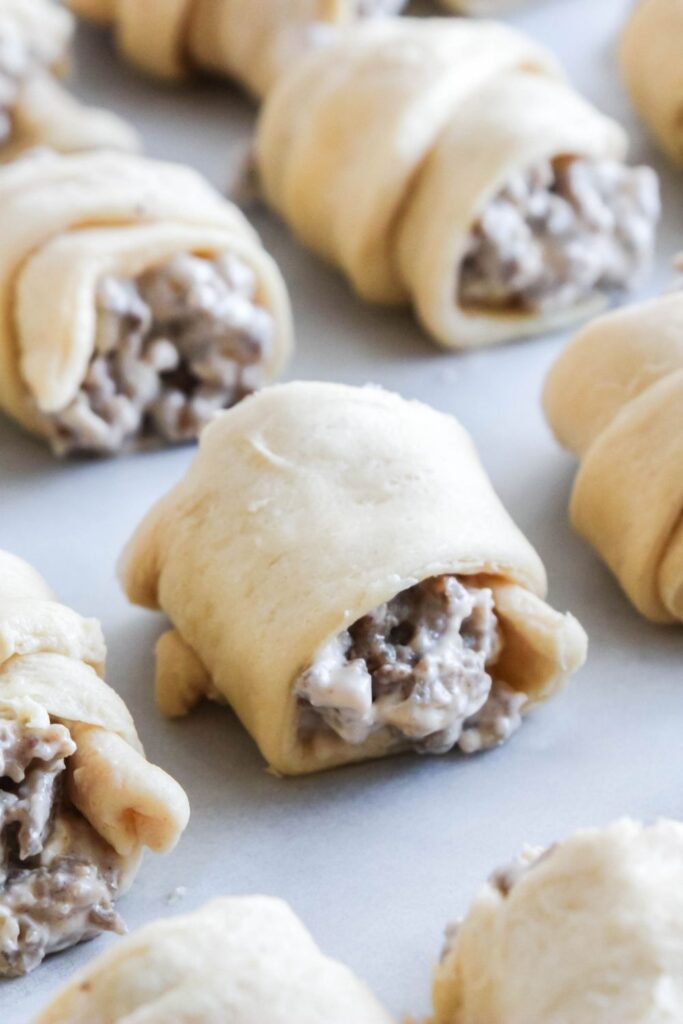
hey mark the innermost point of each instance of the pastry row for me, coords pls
(391, 605)
(159, 308)
(588, 931)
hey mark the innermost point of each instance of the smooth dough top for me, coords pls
(590, 933)
(236, 961)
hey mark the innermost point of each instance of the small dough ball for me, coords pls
(589, 932)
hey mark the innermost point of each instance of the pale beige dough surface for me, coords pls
(382, 151)
(245, 960)
(588, 933)
(68, 221)
(328, 500)
(52, 664)
(44, 113)
(650, 57)
(615, 399)
(251, 42)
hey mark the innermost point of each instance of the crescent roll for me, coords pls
(338, 569)
(137, 302)
(615, 399)
(589, 931)
(650, 57)
(246, 960)
(35, 110)
(447, 164)
(250, 42)
(78, 798)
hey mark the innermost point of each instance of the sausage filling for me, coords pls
(58, 878)
(172, 348)
(415, 669)
(560, 233)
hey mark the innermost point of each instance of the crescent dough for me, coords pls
(51, 673)
(650, 57)
(36, 35)
(615, 399)
(308, 506)
(384, 150)
(245, 960)
(252, 43)
(589, 931)
(68, 223)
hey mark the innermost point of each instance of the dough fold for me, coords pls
(308, 506)
(36, 110)
(650, 57)
(615, 399)
(252, 43)
(53, 658)
(383, 151)
(71, 221)
(245, 960)
(587, 932)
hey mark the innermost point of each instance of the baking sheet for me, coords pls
(374, 858)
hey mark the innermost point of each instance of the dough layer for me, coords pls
(243, 960)
(615, 399)
(71, 220)
(250, 42)
(587, 932)
(650, 57)
(36, 110)
(329, 500)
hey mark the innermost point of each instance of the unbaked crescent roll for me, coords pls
(35, 110)
(244, 960)
(615, 399)
(79, 800)
(250, 42)
(650, 56)
(447, 164)
(589, 931)
(137, 302)
(338, 569)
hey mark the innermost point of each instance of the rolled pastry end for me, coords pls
(181, 679)
(584, 930)
(154, 353)
(454, 662)
(59, 878)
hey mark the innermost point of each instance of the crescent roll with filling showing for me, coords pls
(338, 569)
(137, 302)
(78, 799)
(252, 42)
(650, 57)
(615, 399)
(35, 36)
(243, 960)
(446, 163)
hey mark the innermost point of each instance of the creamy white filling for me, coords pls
(559, 233)
(432, 691)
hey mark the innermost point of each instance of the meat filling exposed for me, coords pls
(416, 669)
(58, 878)
(560, 233)
(173, 347)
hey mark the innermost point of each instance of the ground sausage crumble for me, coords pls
(58, 879)
(173, 347)
(560, 233)
(415, 669)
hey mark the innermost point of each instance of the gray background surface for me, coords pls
(375, 858)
